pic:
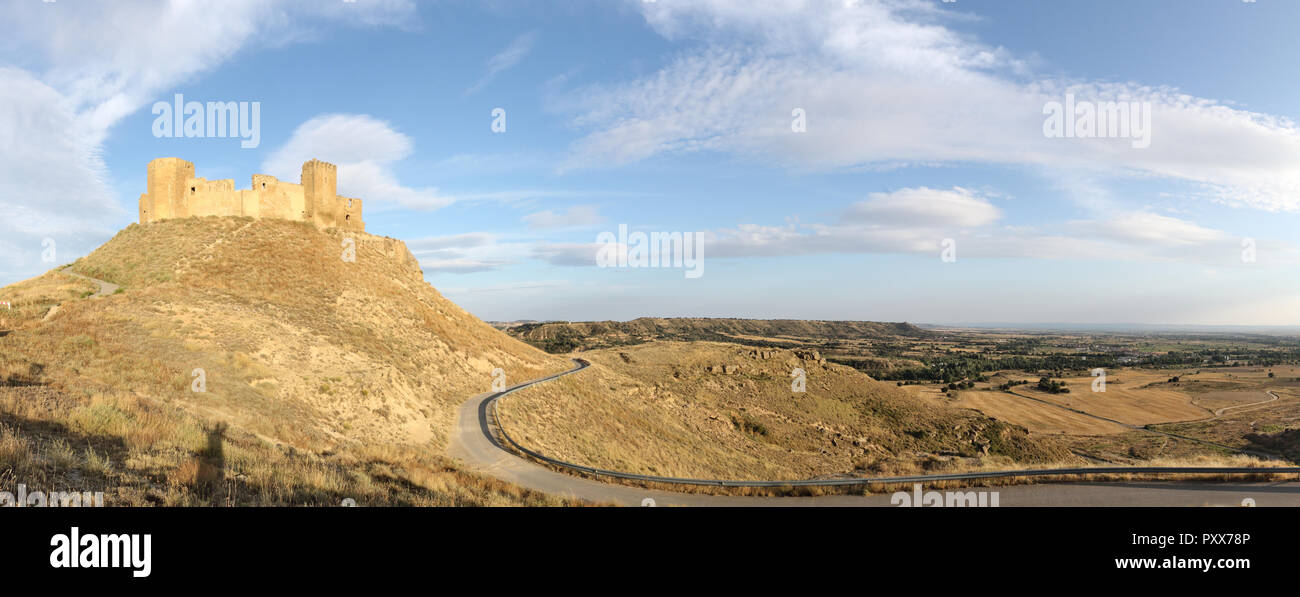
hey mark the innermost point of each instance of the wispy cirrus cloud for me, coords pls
(505, 60)
(566, 253)
(578, 216)
(886, 84)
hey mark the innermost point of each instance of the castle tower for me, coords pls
(174, 192)
(351, 209)
(319, 186)
(165, 192)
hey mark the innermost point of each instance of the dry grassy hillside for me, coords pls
(324, 378)
(30, 301)
(564, 336)
(724, 411)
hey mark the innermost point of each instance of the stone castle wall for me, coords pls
(174, 192)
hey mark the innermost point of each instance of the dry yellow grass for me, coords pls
(1035, 416)
(657, 409)
(1228, 407)
(1132, 396)
(1229, 399)
(1135, 397)
(324, 378)
(30, 300)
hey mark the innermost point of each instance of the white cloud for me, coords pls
(438, 243)
(517, 288)
(506, 59)
(459, 264)
(882, 84)
(574, 254)
(465, 253)
(364, 150)
(1146, 228)
(76, 69)
(924, 207)
(577, 216)
(52, 179)
(1120, 237)
(1136, 236)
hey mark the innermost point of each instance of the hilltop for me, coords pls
(321, 378)
(564, 336)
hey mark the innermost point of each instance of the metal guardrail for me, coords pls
(1056, 472)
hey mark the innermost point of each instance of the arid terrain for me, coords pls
(712, 409)
(227, 361)
(246, 362)
(722, 411)
(569, 336)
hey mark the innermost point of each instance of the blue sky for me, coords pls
(924, 122)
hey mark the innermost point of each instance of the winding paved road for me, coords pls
(474, 444)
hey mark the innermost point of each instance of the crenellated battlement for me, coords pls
(174, 192)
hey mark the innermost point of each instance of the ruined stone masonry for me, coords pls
(174, 192)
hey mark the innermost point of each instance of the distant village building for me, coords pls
(174, 192)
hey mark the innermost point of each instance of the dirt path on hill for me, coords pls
(105, 288)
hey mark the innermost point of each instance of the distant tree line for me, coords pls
(949, 368)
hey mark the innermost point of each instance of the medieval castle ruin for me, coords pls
(174, 192)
